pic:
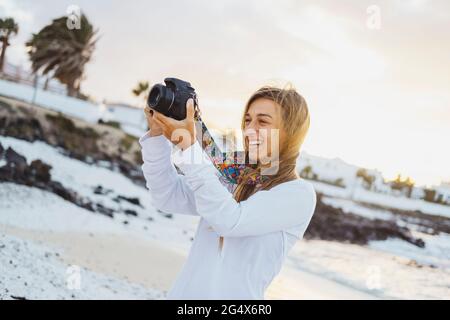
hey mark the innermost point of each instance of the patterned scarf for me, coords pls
(232, 166)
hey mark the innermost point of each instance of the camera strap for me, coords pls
(232, 166)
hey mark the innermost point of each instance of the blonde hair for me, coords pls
(295, 123)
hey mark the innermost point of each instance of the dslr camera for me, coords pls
(170, 99)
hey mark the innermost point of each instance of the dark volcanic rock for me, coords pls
(79, 140)
(69, 195)
(1, 151)
(28, 129)
(130, 212)
(58, 189)
(41, 171)
(134, 201)
(329, 223)
(102, 191)
(424, 222)
(17, 170)
(104, 210)
(131, 171)
(38, 175)
(13, 159)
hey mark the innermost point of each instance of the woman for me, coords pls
(243, 237)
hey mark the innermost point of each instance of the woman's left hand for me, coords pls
(180, 132)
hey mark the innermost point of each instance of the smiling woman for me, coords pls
(274, 113)
(243, 237)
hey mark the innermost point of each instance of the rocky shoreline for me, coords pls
(95, 144)
(329, 223)
(38, 174)
(89, 143)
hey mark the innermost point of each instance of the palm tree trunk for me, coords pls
(71, 91)
(2, 54)
(78, 90)
(46, 83)
(71, 88)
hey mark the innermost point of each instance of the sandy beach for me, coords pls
(154, 265)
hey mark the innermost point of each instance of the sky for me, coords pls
(375, 74)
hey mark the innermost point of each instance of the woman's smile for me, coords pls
(254, 143)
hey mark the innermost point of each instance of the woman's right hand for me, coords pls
(155, 129)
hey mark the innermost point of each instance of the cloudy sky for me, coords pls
(378, 89)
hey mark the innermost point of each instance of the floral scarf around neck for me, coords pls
(232, 166)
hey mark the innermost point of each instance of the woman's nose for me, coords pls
(251, 133)
(252, 126)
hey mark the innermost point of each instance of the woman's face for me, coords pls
(263, 132)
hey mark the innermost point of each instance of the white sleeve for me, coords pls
(168, 189)
(266, 211)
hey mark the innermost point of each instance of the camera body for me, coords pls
(170, 99)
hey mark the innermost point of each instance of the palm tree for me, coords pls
(307, 173)
(141, 88)
(403, 184)
(366, 178)
(63, 52)
(8, 27)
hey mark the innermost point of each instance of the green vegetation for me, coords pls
(113, 124)
(63, 52)
(366, 178)
(402, 184)
(127, 141)
(8, 27)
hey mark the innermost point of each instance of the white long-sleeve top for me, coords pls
(258, 232)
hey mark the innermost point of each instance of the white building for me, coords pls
(130, 118)
(330, 170)
(443, 191)
(417, 193)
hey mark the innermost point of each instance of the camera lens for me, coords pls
(161, 98)
(155, 95)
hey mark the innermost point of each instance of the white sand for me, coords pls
(138, 261)
(302, 285)
(153, 265)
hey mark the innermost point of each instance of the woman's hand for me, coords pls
(155, 129)
(181, 133)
